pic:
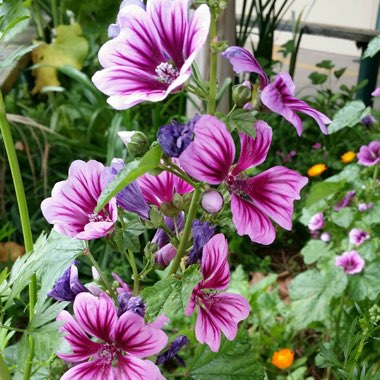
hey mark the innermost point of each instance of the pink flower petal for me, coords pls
(243, 61)
(222, 312)
(214, 266)
(82, 346)
(130, 368)
(136, 338)
(96, 315)
(254, 150)
(160, 322)
(249, 220)
(209, 157)
(274, 191)
(94, 370)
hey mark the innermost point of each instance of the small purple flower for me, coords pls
(127, 302)
(317, 146)
(325, 237)
(317, 222)
(165, 255)
(376, 92)
(130, 198)
(345, 201)
(160, 237)
(369, 155)
(152, 53)
(68, 285)
(365, 206)
(202, 233)
(174, 138)
(351, 262)
(358, 237)
(71, 206)
(172, 352)
(368, 121)
(212, 201)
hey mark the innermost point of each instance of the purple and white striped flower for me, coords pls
(358, 237)
(351, 262)
(71, 206)
(317, 222)
(152, 54)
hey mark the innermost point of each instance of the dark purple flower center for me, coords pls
(108, 353)
(166, 72)
(237, 185)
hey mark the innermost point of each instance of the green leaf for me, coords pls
(322, 190)
(373, 48)
(243, 121)
(128, 238)
(170, 296)
(365, 284)
(340, 72)
(235, 360)
(311, 293)
(325, 64)
(314, 250)
(343, 217)
(372, 216)
(350, 115)
(152, 157)
(317, 78)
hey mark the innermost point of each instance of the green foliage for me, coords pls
(242, 120)
(322, 190)
(372, 48)
(317, 78)
(311, 293)
(349, 116)
(366, 284)
(235, 360)
(314, 250)
(170, 296)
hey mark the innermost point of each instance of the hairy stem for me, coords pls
(97, 267)
(136, 280)
(186, 231)
(24, 217)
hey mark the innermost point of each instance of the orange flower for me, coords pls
(348, 157)
(283, 358)
(316, 170)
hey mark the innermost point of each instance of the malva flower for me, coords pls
(254, 200)
(317, 222)
(152, 54)
(369, 155)
(71, 206)
(218, 312)
(117, 345)
(351, 262)
(348, 157)
(278, 96)
(283, 359)
(316, 170)
(358, 237)
(365, 206)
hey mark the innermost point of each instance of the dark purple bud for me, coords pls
(129, 303)
(172, 352)
(130, 198)
(67, 286)
(345, 201)
(202, 233)
(160, 237)
(174, 138)
(368, 121)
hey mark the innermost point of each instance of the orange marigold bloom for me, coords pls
(283, 358)
(316, 170)
(348, 157)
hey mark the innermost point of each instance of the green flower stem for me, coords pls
(4, 373)
(186, 231)
(24, 217)
(136, 279)
(97, 267)
(375, 175)
(213, 65)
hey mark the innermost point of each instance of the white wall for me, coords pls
(351, 13)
